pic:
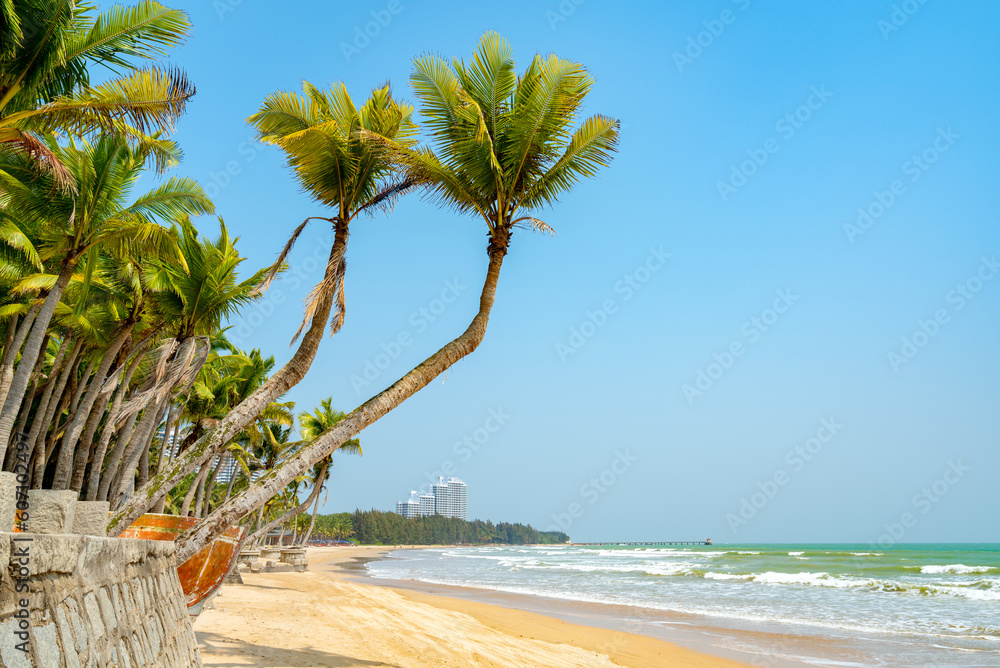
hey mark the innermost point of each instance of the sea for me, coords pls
(768, 605)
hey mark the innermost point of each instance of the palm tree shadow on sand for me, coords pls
(308, 657)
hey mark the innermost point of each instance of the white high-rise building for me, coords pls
(456, 498)
(440, 492)
(427, 503)
(447, 498)
(410, 507)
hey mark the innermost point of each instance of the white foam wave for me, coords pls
(957, 569)
(795, 554)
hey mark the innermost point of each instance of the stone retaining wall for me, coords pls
(83, 601)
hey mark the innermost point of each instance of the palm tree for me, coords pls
(46, 47)
(197, 297)
(75, 228)
(320, 134)
(311, 426)
(504, 147)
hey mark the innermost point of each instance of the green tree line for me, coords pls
(377, 527)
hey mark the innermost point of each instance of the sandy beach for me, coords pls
(321, 618)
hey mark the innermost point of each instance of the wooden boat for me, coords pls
(202, 574)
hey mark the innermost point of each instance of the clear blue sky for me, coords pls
(834, 110)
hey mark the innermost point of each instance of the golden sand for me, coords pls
(320, 618)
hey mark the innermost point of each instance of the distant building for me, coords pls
(427, 504)
(446, 498)
(410, 507)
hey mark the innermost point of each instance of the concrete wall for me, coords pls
(91, 602)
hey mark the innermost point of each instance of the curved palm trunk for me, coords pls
(96, 472)
(294, 512)
(114, 462)
(42, 410)
(312, 520)
(192, 490)
(202, 508)
(167, 441)
(43, 419)
(279, 477)
(32, 348)
(81, 415)
(87, 447)
(29, 397)
(81, 386)
(216, 438)
(142, 437)
(229, 487)
(16, 335)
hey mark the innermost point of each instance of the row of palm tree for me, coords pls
(112, 305)
(115, 376)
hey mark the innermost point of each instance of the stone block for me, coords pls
(51, 511)
(91, 518)
(55, 553)
(8, 500)
(46, 645)
(9, 654)
(93, 614)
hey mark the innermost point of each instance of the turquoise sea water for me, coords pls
(907, 605)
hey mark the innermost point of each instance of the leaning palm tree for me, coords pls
(311, 426)
(76, 228)
(503, 148)
(320, 132)
(46, 47)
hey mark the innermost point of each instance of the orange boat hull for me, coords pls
(203, 573)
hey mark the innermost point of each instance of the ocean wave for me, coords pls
(957, 569)
(795, 554)
(805, 578)
(868, 554)
(726, 576)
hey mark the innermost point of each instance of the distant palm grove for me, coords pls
(376, 527)
(117, 380)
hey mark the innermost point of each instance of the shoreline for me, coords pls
(328, 616)
(695, 633)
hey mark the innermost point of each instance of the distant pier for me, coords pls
(664, 542)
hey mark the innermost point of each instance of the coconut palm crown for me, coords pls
(503, 143)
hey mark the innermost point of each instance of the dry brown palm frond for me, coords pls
(180, 373)
(280, 262)
(387, 197)
(35, 148)
(534, 224)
